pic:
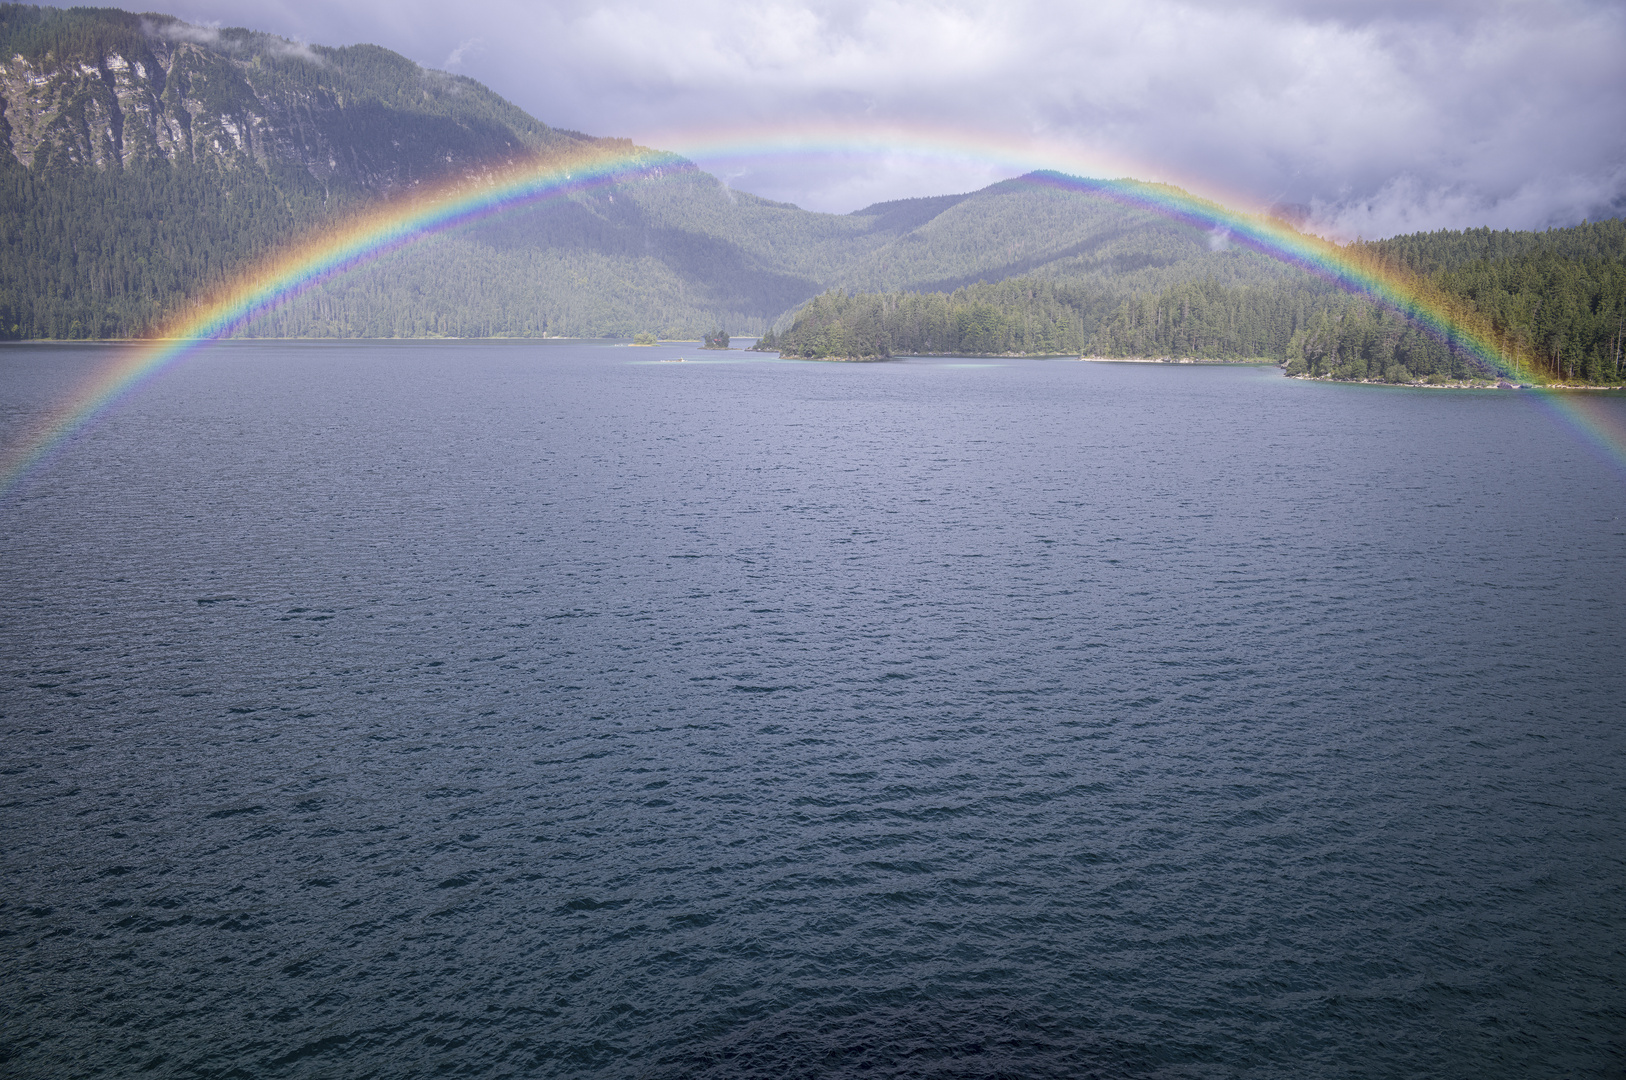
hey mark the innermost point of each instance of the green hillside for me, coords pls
(1555, 301)
(1030, 316)
(1030, 226)
(143, 161)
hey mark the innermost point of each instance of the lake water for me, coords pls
(519, 708)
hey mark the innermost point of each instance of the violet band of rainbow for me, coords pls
(395, 225)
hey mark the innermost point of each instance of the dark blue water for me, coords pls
(499, 709)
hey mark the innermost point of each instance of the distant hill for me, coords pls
(682, 253)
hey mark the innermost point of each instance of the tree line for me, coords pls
(1550, 306)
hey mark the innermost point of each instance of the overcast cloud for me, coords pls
(1380, 117)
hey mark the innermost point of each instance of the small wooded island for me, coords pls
(1553, 302)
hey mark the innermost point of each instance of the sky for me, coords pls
(1358, 118)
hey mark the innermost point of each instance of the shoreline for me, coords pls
(426, 337)
(1499, 384)
(1261, 361)
(840, 359)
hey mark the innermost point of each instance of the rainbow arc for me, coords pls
(404, 221)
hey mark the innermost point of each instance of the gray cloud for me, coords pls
(209, 34)
(201, 34)
(464, 50)
(298, 49)
(1380, 116)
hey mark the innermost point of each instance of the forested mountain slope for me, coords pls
(1452, 249)
(1553, 302)
(143, 160)
(1031, 226)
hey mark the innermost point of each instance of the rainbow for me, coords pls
(402, 222)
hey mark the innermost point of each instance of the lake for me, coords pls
(544, 709)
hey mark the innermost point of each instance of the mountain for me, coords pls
(145, 161)
(681, 253)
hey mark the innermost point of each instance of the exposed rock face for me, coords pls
(114, 110)
(171, 92)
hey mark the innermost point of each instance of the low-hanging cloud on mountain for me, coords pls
(1372, 118)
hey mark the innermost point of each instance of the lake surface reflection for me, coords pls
(518, 708)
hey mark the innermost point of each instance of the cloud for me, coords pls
(464, 49)
(1377, 114)
(181, 31)
(209, 34)
(1408, 204)
(298, 50)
